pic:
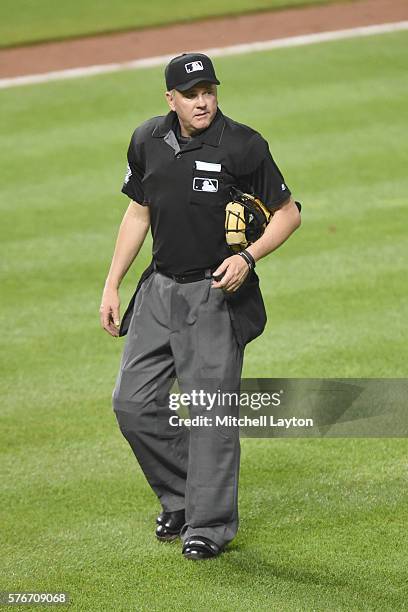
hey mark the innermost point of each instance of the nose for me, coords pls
(201, 101)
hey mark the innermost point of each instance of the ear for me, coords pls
(170, 99)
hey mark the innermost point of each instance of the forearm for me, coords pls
(132, 232)
(283, 223)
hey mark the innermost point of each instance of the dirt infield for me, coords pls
(205, 34)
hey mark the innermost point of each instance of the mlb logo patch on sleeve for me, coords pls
(193, 66)
(205, 184)
(128, 174)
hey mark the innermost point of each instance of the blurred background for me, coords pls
(322, 520)
(28, 21)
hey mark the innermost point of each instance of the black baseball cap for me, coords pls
(188, 69)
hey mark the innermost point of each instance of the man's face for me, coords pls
(196, 107)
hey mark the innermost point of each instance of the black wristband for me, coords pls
(248, 258)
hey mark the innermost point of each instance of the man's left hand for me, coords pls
(234, 271)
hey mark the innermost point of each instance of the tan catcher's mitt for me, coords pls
(246, 218)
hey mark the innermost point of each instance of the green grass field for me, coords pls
(323, 522)
(28, 21)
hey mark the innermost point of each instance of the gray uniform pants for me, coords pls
(183, 331)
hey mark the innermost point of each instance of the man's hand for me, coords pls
(109, 311)
(234, 271)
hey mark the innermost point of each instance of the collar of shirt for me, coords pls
(211, 136)
(183, 140)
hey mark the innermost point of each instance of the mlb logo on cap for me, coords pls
(193, 66)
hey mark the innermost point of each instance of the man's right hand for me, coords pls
(109, 311)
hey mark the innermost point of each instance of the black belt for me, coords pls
(189, 277)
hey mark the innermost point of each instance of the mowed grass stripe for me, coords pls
(64, 468)
(369, 323)
(340, 294)
(362, 271)
(328, 237)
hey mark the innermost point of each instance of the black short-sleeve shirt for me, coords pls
(188, 187)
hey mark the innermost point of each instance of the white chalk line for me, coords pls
(160, 60)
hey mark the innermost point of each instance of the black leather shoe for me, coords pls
(169, 525)
(199, 547)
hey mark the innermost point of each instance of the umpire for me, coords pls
(196, 306)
